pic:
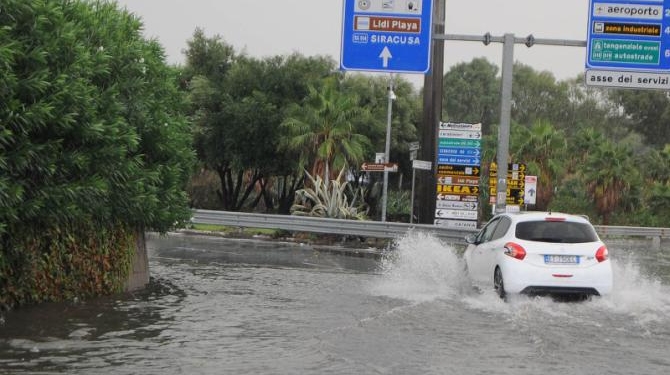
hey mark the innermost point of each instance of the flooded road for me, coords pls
(218, 306)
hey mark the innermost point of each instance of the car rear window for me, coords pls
(556, 231)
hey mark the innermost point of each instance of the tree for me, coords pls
(590, 108)
(656, 171)
(649, 113)
(372, 93)
(537, 96)
(94, 148)
(472, 92)
(322, 131)
(609, 173)
(237, 105)
(544, 150)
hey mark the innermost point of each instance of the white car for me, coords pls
(539, 253)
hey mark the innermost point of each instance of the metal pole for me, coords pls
(432, 114)
(387, 151)
(505, 115)
(411, 210)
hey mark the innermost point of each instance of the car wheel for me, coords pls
(498, 283)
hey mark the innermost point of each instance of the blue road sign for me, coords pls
(459, 160)
(386, 35)
(459, 151)
(629, 35)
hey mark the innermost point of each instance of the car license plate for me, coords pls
(561, 259)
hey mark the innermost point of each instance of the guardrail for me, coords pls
(293, 223)
(379, 229)
(619, 231)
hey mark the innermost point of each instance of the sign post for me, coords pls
(628, 44)
(417, 164)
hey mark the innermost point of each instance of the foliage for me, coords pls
(472, 92)
(91, 119)
(66, 262)
(91, 130)
(399, 205)
(237, 105)
(609, 173)
(372, 93)
(322, 131)
(649, 113)
(543, 149)
(537, 96)
(329, 198)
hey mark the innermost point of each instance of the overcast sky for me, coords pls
(313, 27)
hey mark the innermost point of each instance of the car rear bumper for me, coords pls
(520, 277)
(559, 291)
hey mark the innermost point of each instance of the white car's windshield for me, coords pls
(555, 231)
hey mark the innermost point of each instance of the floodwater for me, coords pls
(218, 306)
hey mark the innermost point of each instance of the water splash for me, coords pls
(421, 268)
(643, 297)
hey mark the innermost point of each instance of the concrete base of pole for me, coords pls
(139, 274)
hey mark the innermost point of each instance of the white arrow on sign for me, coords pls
(385, 56)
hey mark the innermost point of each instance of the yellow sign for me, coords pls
(458, 189)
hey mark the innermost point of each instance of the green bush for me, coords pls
(91, 131)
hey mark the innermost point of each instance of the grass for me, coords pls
(237, 230)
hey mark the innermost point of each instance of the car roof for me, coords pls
(544, 215)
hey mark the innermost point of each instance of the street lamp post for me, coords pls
(387, 151)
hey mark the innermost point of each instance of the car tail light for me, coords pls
(602, 254)
(515, 250)
(553, 218)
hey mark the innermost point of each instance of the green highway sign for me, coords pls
(625, 51)
(628, 44)
(460, 142)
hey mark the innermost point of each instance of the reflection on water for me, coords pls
(247, 307)
(57, 337)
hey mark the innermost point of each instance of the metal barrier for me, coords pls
(379, 229)
(647, 232)
(293, 223)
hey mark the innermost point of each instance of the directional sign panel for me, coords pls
(459, 198)
(442, 213)
(458, 189)
(455, 142)
(460, 134)
(516, 173)
(458, 170)
(422, 164)
(460, 126)
(628, 44)
(457, 205)
(530, 190)
(458, 180)
(458, 161)
(379, 167)
(386, 35)
(457, 224)
(461, 151)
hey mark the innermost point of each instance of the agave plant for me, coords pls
(329, 198)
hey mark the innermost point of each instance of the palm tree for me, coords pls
(609, 172)
(322, 131)
(543, 149)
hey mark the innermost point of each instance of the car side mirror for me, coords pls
(471, 238)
